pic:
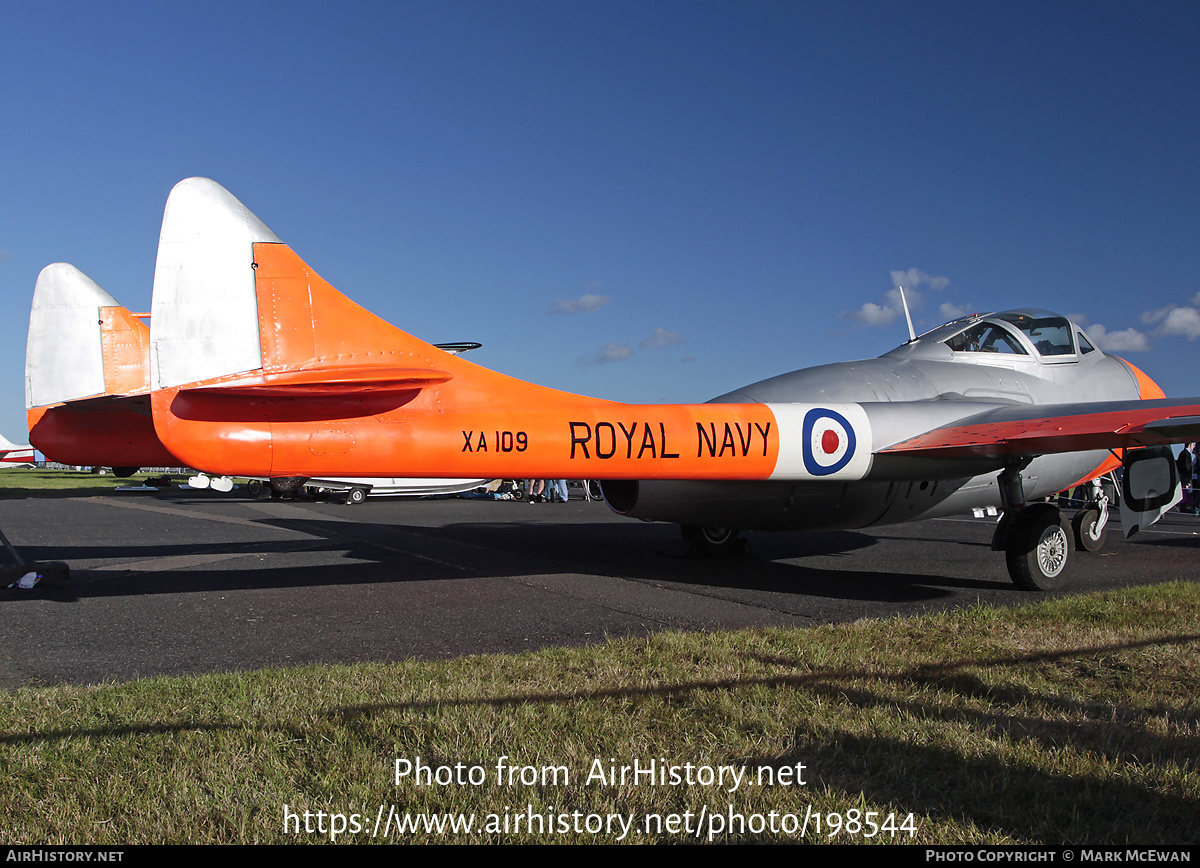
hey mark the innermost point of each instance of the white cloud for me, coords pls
(610, 352)
(881, 314)
(873, 314)
(615, 352)
(1183, 321)
(1125, 341)
(896, 301)
(662, 338)
(584, 304)
(953, 311)
(1175, 319)
(914, 276)
(1152, 316)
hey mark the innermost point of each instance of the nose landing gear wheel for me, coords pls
(1086, 537)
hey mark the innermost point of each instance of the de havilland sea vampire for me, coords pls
(260, 368)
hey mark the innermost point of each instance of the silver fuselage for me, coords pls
(919, 386)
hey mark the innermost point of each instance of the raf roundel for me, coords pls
(829, 441)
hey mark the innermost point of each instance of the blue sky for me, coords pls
(650, 201)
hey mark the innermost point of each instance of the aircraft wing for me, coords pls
(1050, 428)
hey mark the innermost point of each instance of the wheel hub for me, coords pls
(1052, 551)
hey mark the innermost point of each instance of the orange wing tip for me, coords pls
(346, 380)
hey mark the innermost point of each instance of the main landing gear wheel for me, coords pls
(1038, 548)
(711, 540)
(1086, 536)
(258, 489)
(356, 496)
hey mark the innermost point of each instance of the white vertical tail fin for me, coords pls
(64, 356)
(205, 313)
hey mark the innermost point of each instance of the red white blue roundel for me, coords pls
(829, 441)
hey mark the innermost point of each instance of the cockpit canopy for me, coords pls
(1036, 334)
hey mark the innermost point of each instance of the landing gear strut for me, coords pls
(1091, 522)
(1034, 538)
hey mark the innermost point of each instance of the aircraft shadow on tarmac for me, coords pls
(1173, 542)
(779, 566)
(829, 564)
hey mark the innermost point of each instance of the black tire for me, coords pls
(1039, 548)
(356, 495)
(711, 540)
(1084, 525)
(258, 489)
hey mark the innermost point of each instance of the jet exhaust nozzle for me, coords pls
(621, 495)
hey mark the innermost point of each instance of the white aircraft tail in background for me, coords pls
(87, 377)
(12, 455)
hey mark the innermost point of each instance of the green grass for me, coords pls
(35, 482)
(1070, 721)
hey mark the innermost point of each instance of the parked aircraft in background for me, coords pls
(87, 375)
(356, 490)
(261, 368)
(12, 455)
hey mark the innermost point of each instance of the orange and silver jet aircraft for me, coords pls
(261, 368)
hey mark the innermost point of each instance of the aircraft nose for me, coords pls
(1147, 388)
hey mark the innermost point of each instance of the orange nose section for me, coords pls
(1147, 388)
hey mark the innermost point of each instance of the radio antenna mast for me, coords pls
(912, 335)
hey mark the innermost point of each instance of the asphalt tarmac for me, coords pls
(187, 582)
